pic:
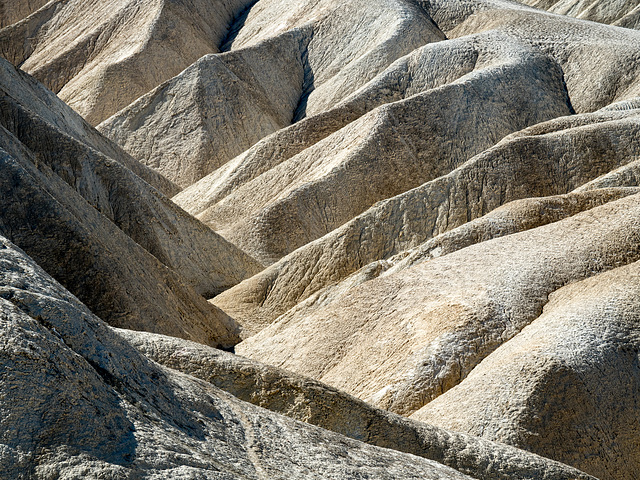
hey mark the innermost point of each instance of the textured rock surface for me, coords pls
(99, 56)
(551, 158)
(12, 11)
(622, 13)
(87, 219)
(336, 263)
(446, 314)
(444, 194)
(61, 366)
(313, 402)
(582, 352)
(21, 89)
(393, 148)
(223, 104)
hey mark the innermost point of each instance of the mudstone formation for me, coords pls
(291, 239)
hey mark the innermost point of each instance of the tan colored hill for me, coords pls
(581, 351)
(64, 366)
(621, 13)
(391, 149)
(313, 402)
(226, 103)
(439, 207)
(447, 314)
(548, 159)
(100, 56)
(115, 241)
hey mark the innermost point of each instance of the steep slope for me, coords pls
(348, 43)
(427, 67)
(593, 80)
(393, 148)
(551, 158)
(63, 365)
(402, 340)
(313, 402)
(99, 57)
(86, 212)
(583, 352)
(12, 11)
(223, 104)
(300, 201)
(326, 50)
(118, 279)
(41, 102)
(622, 13)
(206, 261)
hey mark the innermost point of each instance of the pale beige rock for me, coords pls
(431, 66)
(89, 220)
(223, 104)
(349, 42)
(79, 402)
(551, 158)
(393, 148)
(432, 194)
(447, 314)
(24, 90)
(593, 80)
(570, 378)
(100, 56)
(324, 53)
(313, 402)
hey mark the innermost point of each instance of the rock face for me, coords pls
(146, 421)
(134, 257)
(240, 97)
(223, 103)
(389, 208)
(12, 11)
(391, 149)
(99, 57)
(313, 402)
(447, 314)
(622, 13)
(583, 350)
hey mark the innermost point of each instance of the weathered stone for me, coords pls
(551, 158)
(99, 57)
(87, 219)
(12, 11)
(570, 378)
(314, 402)
(623, 13)
(447, 314)
(62, 366)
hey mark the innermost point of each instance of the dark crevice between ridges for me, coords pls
(308, 82)
(426, 8)
(566, 92)
(236, 25)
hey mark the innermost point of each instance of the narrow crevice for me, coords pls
(308, 82)
(566, 92)
(234, 29)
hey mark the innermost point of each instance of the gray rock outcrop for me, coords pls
(316, 403)
(134, 257)
(62, 366)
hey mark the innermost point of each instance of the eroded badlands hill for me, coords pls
(402, 208)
